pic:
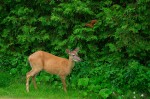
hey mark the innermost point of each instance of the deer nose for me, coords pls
(79, 59)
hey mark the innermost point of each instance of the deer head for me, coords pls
(74, 55)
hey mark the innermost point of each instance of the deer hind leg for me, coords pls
(28, 75)
(34, 81)
(63, 78)
(32, 74)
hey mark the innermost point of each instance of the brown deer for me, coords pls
(52, 64)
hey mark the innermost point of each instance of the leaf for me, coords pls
(56, 18)
(13, 71)
(105, 93)
(25, 29)
(83, 82)
(5, 32)
(112, 47)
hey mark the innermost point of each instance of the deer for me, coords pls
(41, 60)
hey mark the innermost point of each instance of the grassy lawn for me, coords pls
(14, 88)
(18, 91)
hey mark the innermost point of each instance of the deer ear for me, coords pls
(77, 49)
(68, 51)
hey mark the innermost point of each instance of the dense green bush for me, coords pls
(115, 51)
(5, 79)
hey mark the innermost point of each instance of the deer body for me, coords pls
(52, 64)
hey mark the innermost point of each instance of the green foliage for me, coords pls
(115, 51)
(83, 82)
(104, 93)
(5, 79)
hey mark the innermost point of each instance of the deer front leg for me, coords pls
(63, 78)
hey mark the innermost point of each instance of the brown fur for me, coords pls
(52, 64)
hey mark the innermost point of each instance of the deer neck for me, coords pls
(71, 62)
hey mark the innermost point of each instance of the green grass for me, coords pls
(18, 91)
(15, 88)
(46, 91)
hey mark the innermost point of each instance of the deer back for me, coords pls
(50, 63)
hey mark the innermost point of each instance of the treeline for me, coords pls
(113, 37)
